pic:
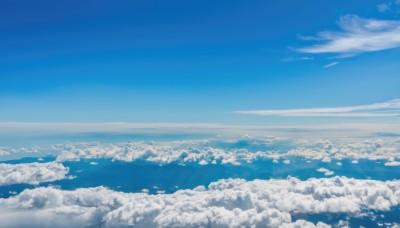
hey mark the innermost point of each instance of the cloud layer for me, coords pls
(357, 35)
(236, 151)
(31, 173)
(372, 149)
(214, 152)
(163, 153)
(384, 109)
(225, 203)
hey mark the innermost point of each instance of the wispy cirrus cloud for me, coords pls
(383, 7)
(292, 59)
(384, 109)
(331, 64)
(357, 35)
(389, 7)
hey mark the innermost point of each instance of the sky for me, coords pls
(229, 62)
(233, 113)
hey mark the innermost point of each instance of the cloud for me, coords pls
(292, 59)
(371, 149)
(357, 35)
(330, 64)
(225, 151)
(162, 152)
(31, 173)
(51, 207)
(225, 203)
(65, 130)
(4, 151)
(392, 163)
(326, 171)
(9, 128)
(392, 7)
(218, 151)
(384, 109)
(383, 7)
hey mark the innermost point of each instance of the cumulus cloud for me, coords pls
(4, 151)
(326, 171)
(211, 152)
(225, 203)
(162, 153)
(384, 109)
(31, 173)
(371, 149)
(392, 163)
(357, 35)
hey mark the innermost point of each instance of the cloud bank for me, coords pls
(357, 35)
(225, 203)
(31, 173)
(162, 153)
(206, 152)
(371, 149)
(384, 109)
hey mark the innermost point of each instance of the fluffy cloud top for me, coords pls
(31, 173)
(326, 171)
(162, 153)
(371, 149)
(23, 150)
(205, 152)
(225, 203)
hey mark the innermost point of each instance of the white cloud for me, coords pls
(4, 151)
(326, 171)
(330, 64)
(10, 128)
(384, 109)
(162, 153)
(383, 7)
(225, 203)
(392, 7)
(292, 59)
(350, 129)
(358, 35)
(392, 163)
(209, 152)
(31, 173)
(371, 149)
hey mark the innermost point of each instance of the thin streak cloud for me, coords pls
(384, 109)
(331, 64)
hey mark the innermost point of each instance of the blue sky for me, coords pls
(196, 61)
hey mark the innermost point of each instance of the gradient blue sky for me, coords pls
(187, 61)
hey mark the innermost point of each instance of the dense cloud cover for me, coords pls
(31, 173)
(211, 152)
(162, 153)
(371, 149)
(225, 203)
(4, 151)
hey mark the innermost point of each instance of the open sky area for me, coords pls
(193, 61)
